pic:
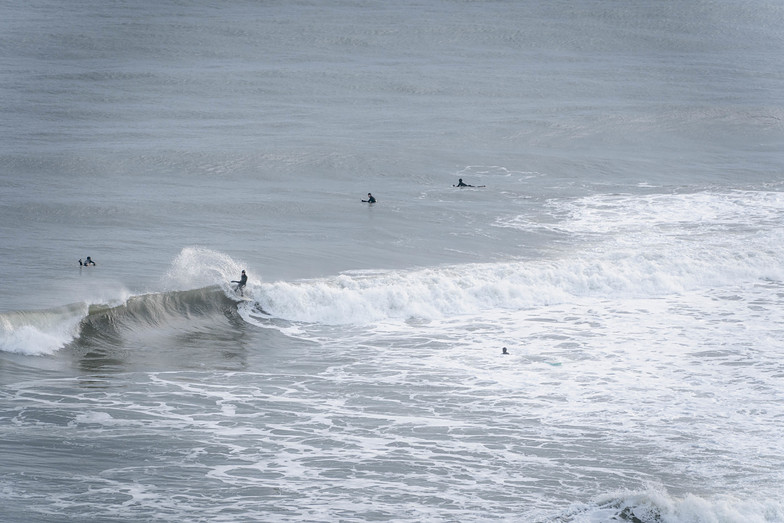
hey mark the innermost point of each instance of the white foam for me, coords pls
(40, 332)
(634, 247)
(618, 214)
(656, 504)
(200, 267)
(196, 267)
(441, 292)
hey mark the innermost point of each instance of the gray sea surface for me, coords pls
(622, 238)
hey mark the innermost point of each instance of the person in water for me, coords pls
(241, 283)
(503, 351)
(88, 261)
(370, 199)
(461, 183)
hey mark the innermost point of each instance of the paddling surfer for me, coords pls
(461, 183)
(370, 199)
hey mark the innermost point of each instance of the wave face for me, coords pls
(45, 331)
(155, 311)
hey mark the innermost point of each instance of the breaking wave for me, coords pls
(45, 331)
(656, 505)
(649, 262)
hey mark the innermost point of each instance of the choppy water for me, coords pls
(626, 248)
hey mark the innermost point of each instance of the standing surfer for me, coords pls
(241, 283)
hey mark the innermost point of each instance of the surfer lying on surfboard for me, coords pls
(460, 183)
(241, 283)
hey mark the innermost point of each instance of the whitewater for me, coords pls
(622, 241)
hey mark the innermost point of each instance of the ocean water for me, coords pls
(623, 240)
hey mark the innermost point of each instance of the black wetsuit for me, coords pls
(241, 283)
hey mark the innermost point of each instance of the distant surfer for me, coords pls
(461, 183)
(241, 283)
(370, 199)
(88, 261)
(504, 351)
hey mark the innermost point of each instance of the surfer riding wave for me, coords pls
(241, 283)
